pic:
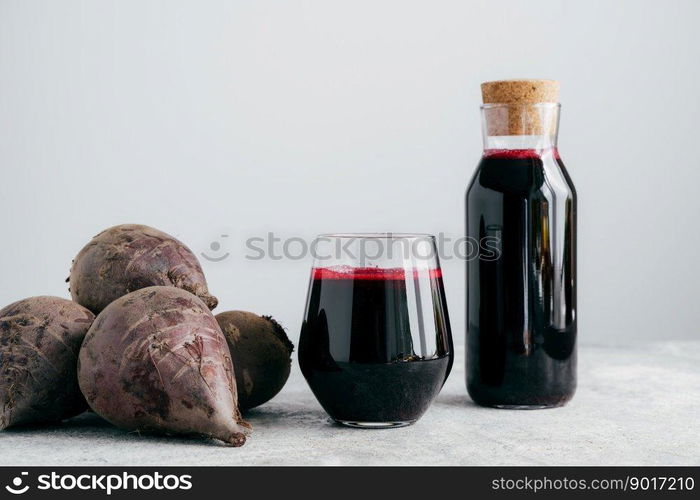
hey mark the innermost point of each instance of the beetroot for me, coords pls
(39, 342)
(125, 258)
(156, 360)
(261, 353)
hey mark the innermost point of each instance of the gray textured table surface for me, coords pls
(634, 406)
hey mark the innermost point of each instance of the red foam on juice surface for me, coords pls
(519, 154)
(370, 273)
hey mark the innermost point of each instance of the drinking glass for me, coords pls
(375, 344)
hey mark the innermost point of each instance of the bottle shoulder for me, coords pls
(567, 177)
(529, 177)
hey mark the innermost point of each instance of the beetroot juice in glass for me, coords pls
(375, 344)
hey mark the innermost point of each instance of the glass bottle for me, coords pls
(521, 290)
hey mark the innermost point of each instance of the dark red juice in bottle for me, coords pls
(521, 290)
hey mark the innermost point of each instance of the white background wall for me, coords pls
(239, 117)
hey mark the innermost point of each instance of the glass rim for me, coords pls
(547, 105)
(377, 236)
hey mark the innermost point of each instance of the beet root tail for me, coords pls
(236, 439)
(209, 300)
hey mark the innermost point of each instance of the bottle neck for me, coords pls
(519, 142)
(508, 127)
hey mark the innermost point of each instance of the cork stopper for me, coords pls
(520, 91)
(524, 112)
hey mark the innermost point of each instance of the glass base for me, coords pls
(375, 425)
(527, 407)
